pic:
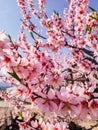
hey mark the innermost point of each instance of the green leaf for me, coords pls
(92, 9)
(14, 75)
(32, 35)
(27, 103)
(94, 13)
(89, 28)
(56, 13)
(94, 17)
(10, 38)
(20, 115)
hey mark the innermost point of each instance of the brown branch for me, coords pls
(92, 60)
(88, 52)
(80, 79)
(69, 34)
(39, 35)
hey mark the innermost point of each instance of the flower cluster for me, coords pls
(59, 74)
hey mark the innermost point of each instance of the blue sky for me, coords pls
(10, 14)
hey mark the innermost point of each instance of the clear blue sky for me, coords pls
(10, 13)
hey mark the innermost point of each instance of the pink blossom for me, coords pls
(54, 79)
(56, 73)
(46, 103)
(93, 108)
